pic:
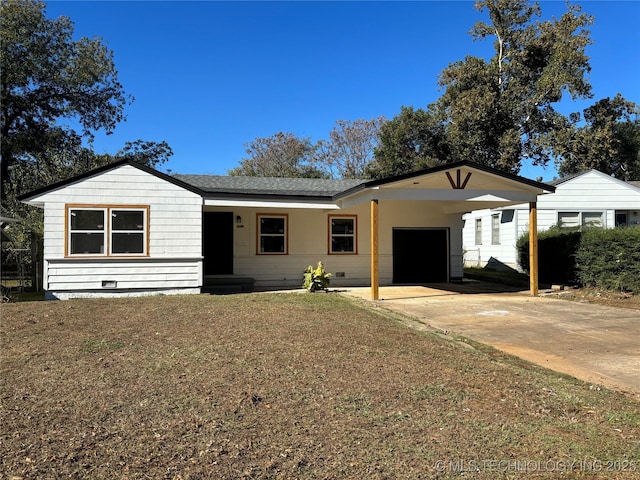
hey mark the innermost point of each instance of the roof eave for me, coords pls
(266, 196)
(546, 188)
(28, 197)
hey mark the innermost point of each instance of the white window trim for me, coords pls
(107, 230)
(580, 218)
(495, 229)
(354, 235)
(478, 231)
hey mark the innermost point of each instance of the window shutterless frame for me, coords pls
(478, 231)
(581, 219)
(343, 235)
(495, 229)
(272, 232)
(106, 230)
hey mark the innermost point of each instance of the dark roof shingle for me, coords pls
(300, 187)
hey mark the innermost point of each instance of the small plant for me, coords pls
(316, 278)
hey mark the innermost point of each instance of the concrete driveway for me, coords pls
(594, 343)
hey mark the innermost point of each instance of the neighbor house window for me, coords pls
(580, 219)
(621, 219)
(107, 230)
(495, 229)
(272, 234)
(342, 234)
(592, 219)
(478, 231)
(569, 219)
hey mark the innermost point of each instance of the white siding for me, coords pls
(175, 225)
(309, 242)
(590, 192)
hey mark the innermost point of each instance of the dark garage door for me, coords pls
(420, 255)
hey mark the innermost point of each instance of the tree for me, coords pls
(280, 155)
(501, 111)
(48, 77)
(54, 165)
(609, 140)
(350, 147)
(412, 140)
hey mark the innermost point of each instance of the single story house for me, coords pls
(591, 198)
(126, 229)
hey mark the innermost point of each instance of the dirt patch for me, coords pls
(285, 386)
(600, 297)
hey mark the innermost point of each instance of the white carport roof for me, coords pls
(457, 187)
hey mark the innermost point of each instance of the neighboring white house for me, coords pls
(587, 199)
(126, 229)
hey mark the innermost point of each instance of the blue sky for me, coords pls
(208, 77)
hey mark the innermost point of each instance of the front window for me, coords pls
(272, 234)
(342, 234)
(478, 231)
(127, 231)
(87, 231)
(108, 231)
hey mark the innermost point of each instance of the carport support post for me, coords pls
(533, 248)
(375, 268)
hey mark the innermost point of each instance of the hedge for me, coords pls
(610, 259)
(602, 258)
(556, 255)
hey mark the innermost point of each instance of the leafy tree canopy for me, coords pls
(350, 147)
(50, 81)
(280, 155)
(47, 77)
(497, 112)
(345, 154)
(412, 140)
(608, 140)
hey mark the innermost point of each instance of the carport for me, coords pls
(451, 188)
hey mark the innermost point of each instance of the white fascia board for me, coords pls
(269, 204)
(459, 195)
(471, 207)
(35, 202)
(497, 197)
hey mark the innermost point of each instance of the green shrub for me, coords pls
(610, 259)
(556, 255)
(316, 278)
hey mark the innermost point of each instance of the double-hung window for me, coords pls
(107, 230)
(569, 219)
(592, 219)
(343, 234)
(272, 234)
(495, 229)
(580, 219)
(478, 231)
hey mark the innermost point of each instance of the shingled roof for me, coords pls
(299, 187)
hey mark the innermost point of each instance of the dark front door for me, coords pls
(420, 255)
(217, 243)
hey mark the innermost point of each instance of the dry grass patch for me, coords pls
(283, 386)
